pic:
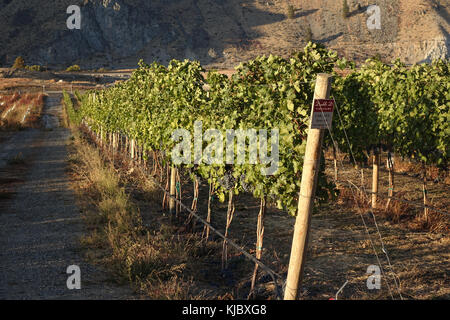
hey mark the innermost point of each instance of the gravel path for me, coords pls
(41, 225)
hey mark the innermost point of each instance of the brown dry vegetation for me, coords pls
(408, 186)
(153, 260)
(16, 166)
(20, 110)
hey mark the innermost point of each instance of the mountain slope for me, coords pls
(116, 33)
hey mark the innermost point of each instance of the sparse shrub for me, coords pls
(19, 63)
(309, 34)
(212, 53)
(74, 68)
(345, 9)
(290, 12)
(35, 68)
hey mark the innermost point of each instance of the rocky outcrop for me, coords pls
(110, 31)
(117, 33)
(114, 30)
(424, 51)
(439, 50)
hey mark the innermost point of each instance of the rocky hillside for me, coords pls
(117, 33)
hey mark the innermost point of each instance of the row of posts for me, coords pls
(306, 197)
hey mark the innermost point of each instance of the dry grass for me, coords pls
(153, 261)
(27, 84)
(408, 186)
(18, 111)
(415, 170)
(163, 261)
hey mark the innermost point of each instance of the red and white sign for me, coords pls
(322, 114)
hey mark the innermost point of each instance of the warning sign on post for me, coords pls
(322, 114)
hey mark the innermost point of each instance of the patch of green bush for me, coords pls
(35, 67)
(74, 117)
(73, 68)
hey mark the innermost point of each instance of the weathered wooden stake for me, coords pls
(208, 217)
(425, 192)
(259, 244)
(230, 214)
(114, 143)
(375, 176)
(306, 197)
(132, 149)
(335, 164)
(173, 190)
(191, 220)
(101, 137)
(390, 164)
(167, 187)
(361, 192)
(178, 193)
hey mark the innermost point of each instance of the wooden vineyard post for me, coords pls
(191, 219)
(208, 217)
(259, 243)
(132, 149)
(425, 191)
(335, 163)
(230, 214)
(361, 192)
(167, 187)
(113, 143)
(101, 137)
(306, 197)
(173, 190)
(375, 176)
(390, 164)
(178, 193)
(139, 156)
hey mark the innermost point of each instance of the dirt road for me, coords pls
(40, 224)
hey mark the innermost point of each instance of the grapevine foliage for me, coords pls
(407, 108)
